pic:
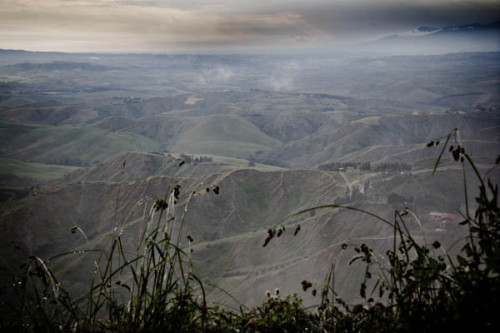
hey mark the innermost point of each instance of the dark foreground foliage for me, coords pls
(156, 291)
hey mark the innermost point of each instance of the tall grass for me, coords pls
(153, 289)
(418, 289)
(424, 290)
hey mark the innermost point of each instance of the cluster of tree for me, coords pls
(364, 166)
(195, 160)
(336, 166)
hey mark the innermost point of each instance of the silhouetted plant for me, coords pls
(424, 292)
(153, 290)
(420, 291)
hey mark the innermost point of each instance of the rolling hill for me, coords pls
(97, 149)
(234, 222)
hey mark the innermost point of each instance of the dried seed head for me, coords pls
(362, 290)
(306, 285)
(297, 229)
(160, 204)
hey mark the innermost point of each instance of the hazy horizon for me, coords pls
(134, 26)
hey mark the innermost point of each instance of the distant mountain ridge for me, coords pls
(427, 31)
(473, 37)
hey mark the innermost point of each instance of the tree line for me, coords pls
(364, 166)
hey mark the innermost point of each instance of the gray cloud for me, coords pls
(160, 26)
(373, 19)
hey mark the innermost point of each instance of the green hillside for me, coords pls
(33, 172)
(402, 136)
(224, 135)
(72, 145)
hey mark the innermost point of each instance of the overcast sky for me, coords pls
(226, 25)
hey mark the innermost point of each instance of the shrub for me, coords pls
(425, 292)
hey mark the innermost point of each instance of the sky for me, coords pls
(221, 25)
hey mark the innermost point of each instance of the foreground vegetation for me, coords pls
(419, 289)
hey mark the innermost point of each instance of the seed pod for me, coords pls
(297, 229)
(362, 290)
(306, 285)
